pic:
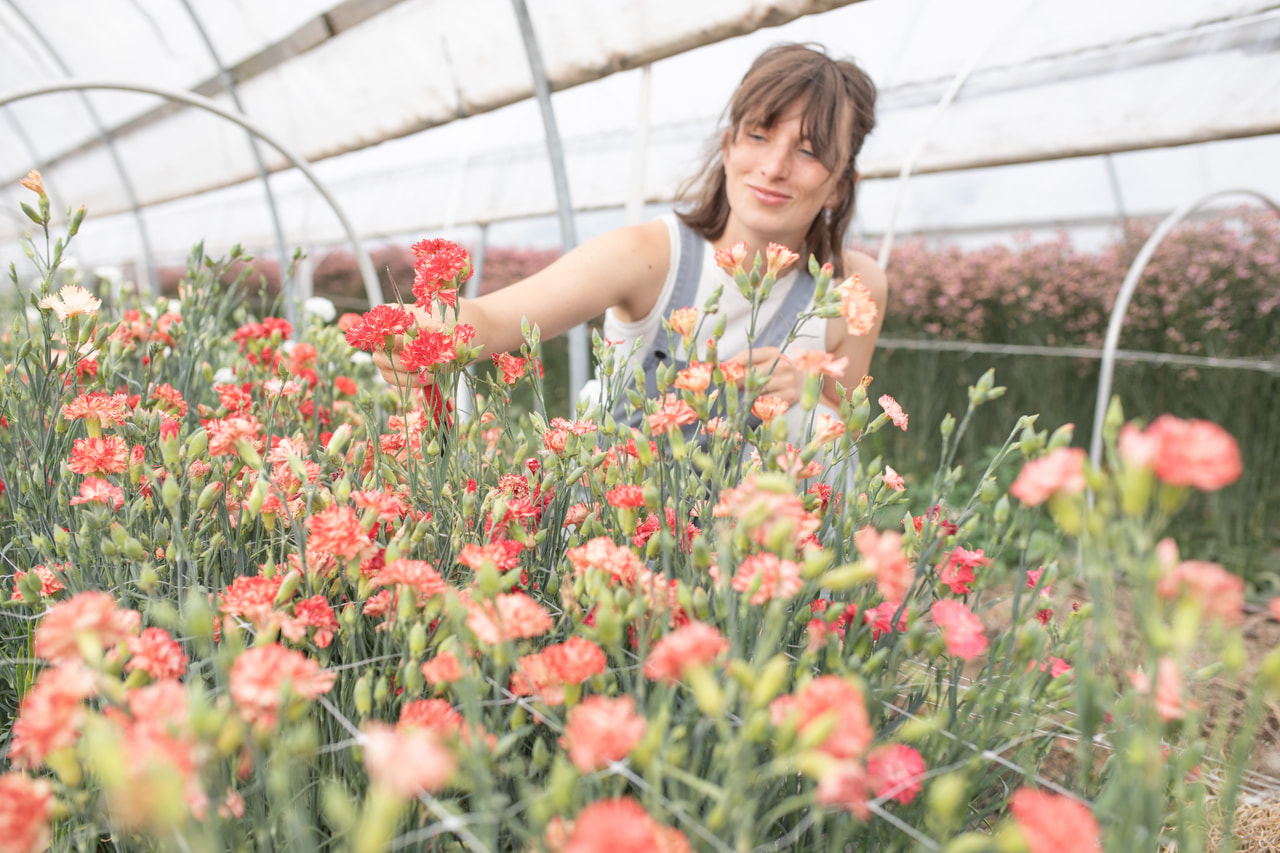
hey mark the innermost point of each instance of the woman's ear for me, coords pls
(724, 145)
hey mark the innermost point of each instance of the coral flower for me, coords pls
(444, 668)
(1052, 823)
(683, 321)
(99, 456)
(94, 490)
(622, 826)
(228, 435)
(338, 531)
(378, 328)
(882, 552)
(819, 362)
(844, 785)
(98, 408)
(170, 400)
(625, 497)
(261, 676)
(768, 407)
(602, 730)
(957, 572)
(1195, 453)
(509, 616)
(157, 654)
(961, 630)
(1059, 472)
(778, 258)
(87, 621)
(828, 697)
(26, 807)
(440, 267)
(893, 480)
(896, 771)
(857, 306)
(50, 715)
(1217, 591)
(730, 258)
(575, 660)
(771, 577)
(49, 582)
(674, 413)
(406, 762)
(72, 301)
(35, 183)
(880, 618)
(894, 411)
(603, 554)
(694, 644)
(695, 378)
(418, 574)
(512, 367)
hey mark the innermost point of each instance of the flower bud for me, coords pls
(362, 696)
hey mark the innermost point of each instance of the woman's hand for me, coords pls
(389, 363)
(783, 379)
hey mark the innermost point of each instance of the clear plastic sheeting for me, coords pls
(1079, 111)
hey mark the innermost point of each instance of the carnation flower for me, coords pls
(882, 552)
(49, 582)
(962, 631)
(512, 367)
(828, 698)
(770, 576)
(957, 572)
(673, 414)
(768, 407)
(50, 715)
(844, 785)
(857, 306)
(880, 618)
(730, 258)
(683, 321)
(338, 531)
(170, 400)
(252, 597)
(601, 730)
(622, 826)
(1059, 472)
(72, 301)
(95, 490)
(97, 410)
(98, 456)
(778, 258)
(440, 267)
(893, 479)
(695, 644)
(157, 654)
(263, 676)
(378, 328)
(625, 497)
(1218, 592)
(26, 808)
(1052, 823)
(603, 554)
(894, 411)
(419, 574)
(895, 771)
(444, 668)
(818, 362)
(509, 616)
(228, 436)
(1194, 453)
(695, 378)
(406, 762)
(86, 622)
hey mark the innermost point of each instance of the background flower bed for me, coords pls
(278, 523)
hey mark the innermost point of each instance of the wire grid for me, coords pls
(1258, 787)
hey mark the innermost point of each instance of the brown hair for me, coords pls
(839, 111)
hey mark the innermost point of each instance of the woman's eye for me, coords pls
(807, 152)
(758, 137)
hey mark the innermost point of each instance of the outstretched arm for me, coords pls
(624, 269)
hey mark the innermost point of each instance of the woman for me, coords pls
(783, 172)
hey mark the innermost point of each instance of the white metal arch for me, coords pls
(1121, 307)
(372, 290)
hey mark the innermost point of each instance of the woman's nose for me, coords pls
(776, 162)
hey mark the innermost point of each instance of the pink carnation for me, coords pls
(602, 730)
(1061, 471)
(962, 630)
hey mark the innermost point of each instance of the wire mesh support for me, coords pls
(372, 290)
(578, 354)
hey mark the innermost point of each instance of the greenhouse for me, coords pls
(285, 569)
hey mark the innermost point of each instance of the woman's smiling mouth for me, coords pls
(768, 197)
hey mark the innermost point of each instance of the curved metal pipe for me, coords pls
(108, 140)
(1121, 307)
(579, 353)
(229, 83)
(372, 290)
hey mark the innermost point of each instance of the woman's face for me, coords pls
(775, 183)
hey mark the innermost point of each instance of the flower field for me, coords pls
(256, 599)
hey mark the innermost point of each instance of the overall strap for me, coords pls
(800, 295)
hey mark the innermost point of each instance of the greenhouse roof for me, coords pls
(419, 117)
